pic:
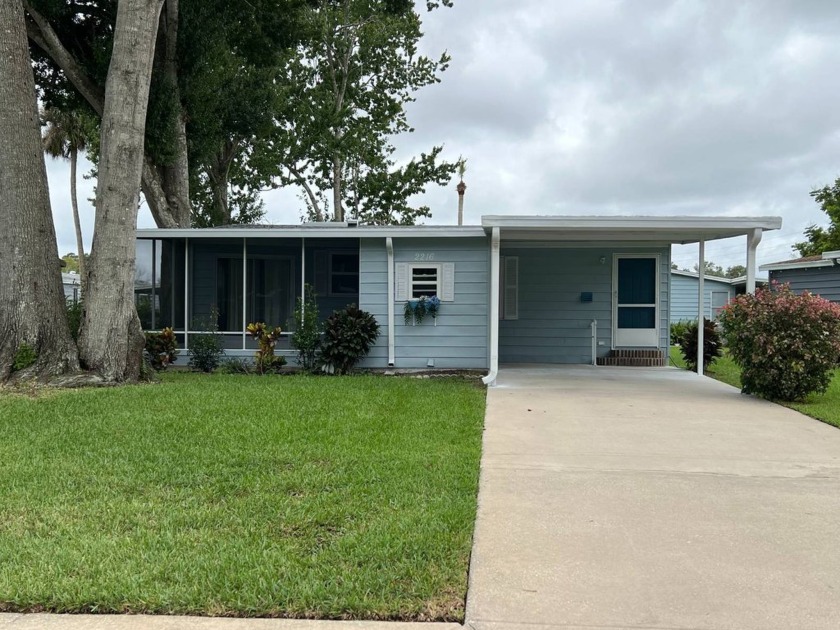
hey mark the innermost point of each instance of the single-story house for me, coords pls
(72, 287)
(718, 292)
(516, 289)
(819, 275)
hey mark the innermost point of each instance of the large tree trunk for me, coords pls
(166, 189)
(32, 307)
(74, 201)
(111, 341)
(338, 207)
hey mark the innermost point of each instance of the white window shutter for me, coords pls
(401, 288)
(511, 288)
(447, 286)
(322, 273)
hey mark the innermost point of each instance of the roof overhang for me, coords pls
(807, 264)
(323, 230)
(680, 229)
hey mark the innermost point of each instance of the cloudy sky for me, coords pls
(608, 107)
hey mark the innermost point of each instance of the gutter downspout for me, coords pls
(752, 245)
(490, 379)
(389, 245)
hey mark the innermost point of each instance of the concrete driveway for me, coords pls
(652, 498)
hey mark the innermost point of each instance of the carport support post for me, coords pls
(495, 245)
(701, 303)
(752, 245)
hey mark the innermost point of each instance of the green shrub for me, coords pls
(712, 344)
(74, 318)
(678, 329)
(307, 336)
(348, 336)
(786, 344)
(265, 361)
(235, 365)
(205, 351)
(25, 357)
(161, 348)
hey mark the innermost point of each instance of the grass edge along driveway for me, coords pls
(824, 407)
(334, 498)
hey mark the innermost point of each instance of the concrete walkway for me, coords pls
(652, 498)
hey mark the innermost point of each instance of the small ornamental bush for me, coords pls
(307, 336)
(786, 344)
(235, 365)
(712, 345)
(205, 351)
(161, 348)
(75, 310)
(265, 360)
(25, 357)
(678, 329)
(348, 336)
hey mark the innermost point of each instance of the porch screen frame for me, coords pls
(640, 341)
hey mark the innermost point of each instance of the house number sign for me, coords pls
(424, 256)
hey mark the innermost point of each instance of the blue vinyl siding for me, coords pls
(554, 323)
(822, 281)
(460, 339)
(684, 296)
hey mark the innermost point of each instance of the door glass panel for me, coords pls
(636, 280)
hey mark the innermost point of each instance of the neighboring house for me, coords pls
(718, 292)
(819, 275)
(517, 289)
(72, 287)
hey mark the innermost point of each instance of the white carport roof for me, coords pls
(678, 229)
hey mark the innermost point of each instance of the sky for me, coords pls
(617, 107)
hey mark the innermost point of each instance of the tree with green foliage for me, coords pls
(341, 102)
(736, 271)
(823, 239)
(208, 98)
(711, 269)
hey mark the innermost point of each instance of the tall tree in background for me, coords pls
(711, 269)
(32, 310)
(209, 97)
(67, 134)
(111, 341)
(342, 100)
(824, 239)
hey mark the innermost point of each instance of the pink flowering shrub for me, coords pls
(786, 344)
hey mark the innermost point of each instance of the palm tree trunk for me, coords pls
(80, 244)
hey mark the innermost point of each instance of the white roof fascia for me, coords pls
(707, 278)
(675, 229)
(413, 231)
(831, 255)
(782, 266)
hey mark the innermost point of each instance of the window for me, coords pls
(416, 280)
(425, 280)
(509, 287)
(344, 274)
(269, 292)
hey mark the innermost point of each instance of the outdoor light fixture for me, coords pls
(603, 259)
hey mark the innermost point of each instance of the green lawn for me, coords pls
(232, 495)
(825, 407)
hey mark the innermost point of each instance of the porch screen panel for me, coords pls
(271, 291)
(228, 296)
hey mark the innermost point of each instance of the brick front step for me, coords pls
(633, 361)
(629, 357)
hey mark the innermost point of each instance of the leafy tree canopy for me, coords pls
(821, 239)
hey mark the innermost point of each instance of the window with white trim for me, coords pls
(416, 280)
(424, 280)
(344, 273)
